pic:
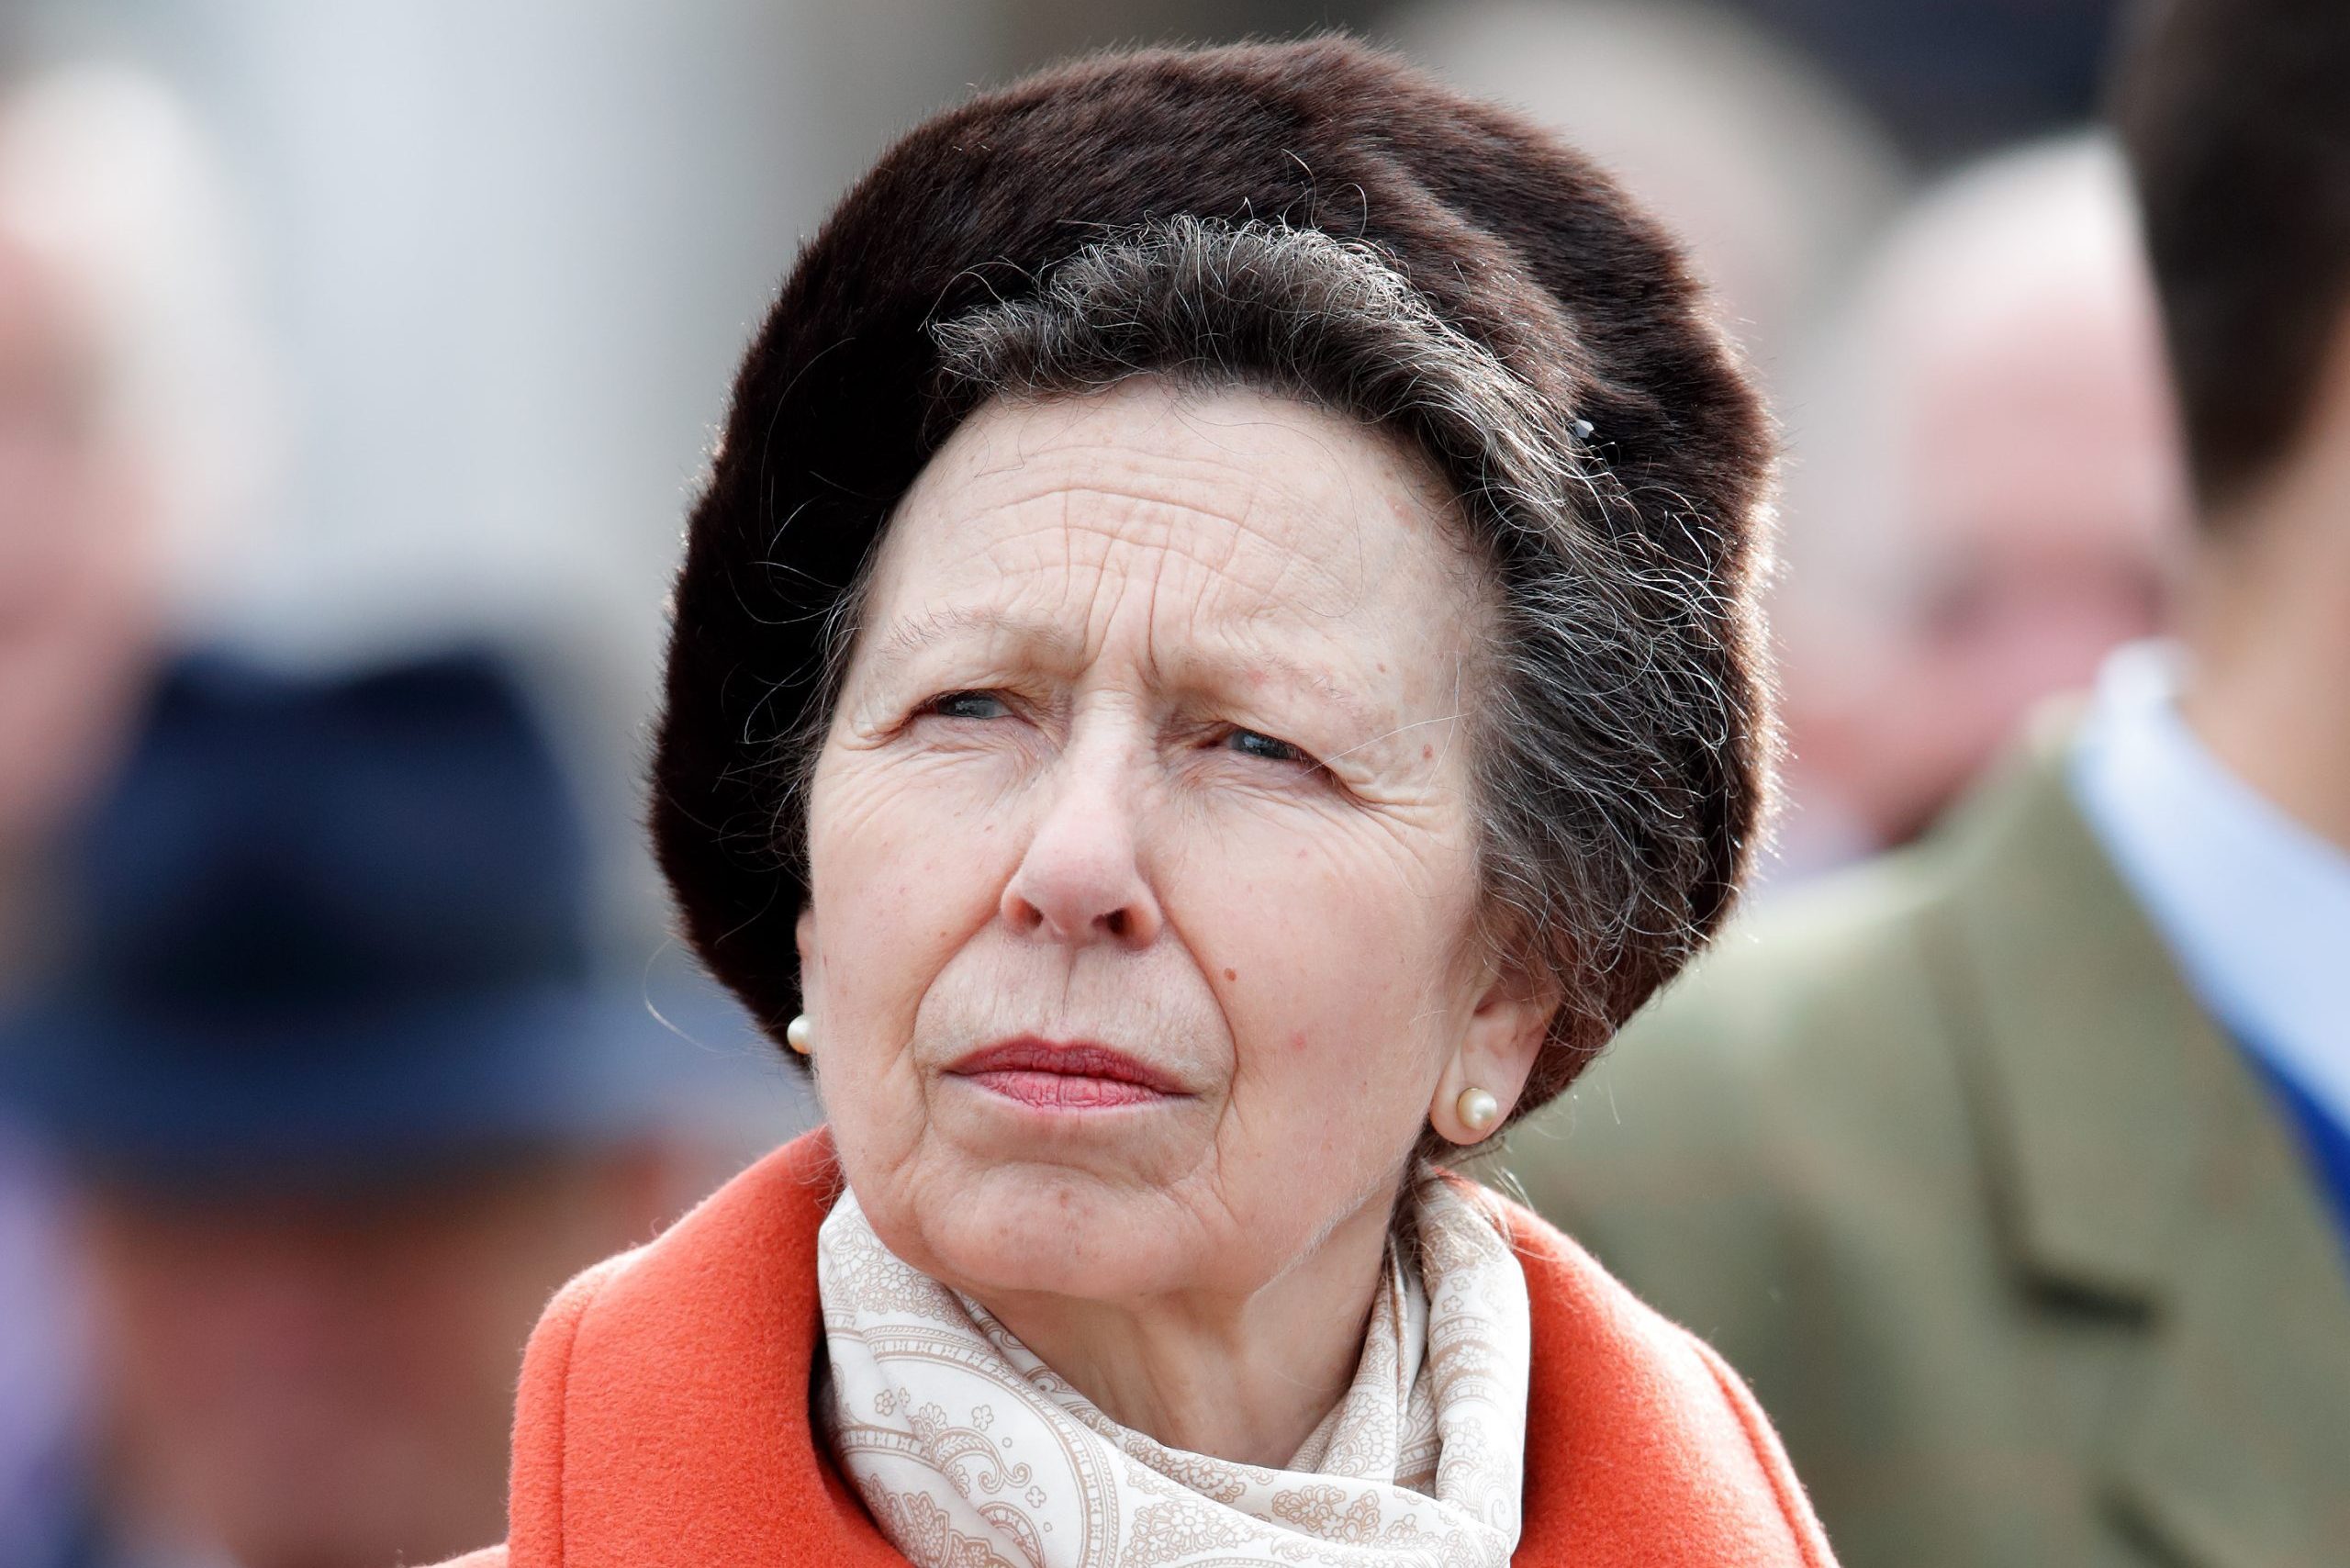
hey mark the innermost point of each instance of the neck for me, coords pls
(2268, 628)
(1244, 1378)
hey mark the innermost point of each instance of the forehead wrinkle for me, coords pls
(1192, 659)
(1191, 663)
(1136, 518)
(908, 637)
(1225, 536)
(1081, 538)
(1230, 482)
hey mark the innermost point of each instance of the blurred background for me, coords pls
(357, 364)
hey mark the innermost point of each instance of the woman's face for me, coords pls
(1143, 855)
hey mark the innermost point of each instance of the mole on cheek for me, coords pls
(1232, 974)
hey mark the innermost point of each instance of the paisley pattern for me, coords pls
(969, 1452)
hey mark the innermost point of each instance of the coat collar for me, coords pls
(2090, 1038)
(663, 1412)
(2139, 1168)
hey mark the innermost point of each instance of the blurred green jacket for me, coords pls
(2013, 1245)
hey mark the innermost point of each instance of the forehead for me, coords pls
(2053, 432)
(44, 342)
(1238, 507)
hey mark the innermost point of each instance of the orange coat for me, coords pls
(663, 1412)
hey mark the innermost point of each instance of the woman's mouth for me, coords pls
(1052, 1075)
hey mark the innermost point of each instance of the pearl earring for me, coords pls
(800, 1034)
(1478, 1109)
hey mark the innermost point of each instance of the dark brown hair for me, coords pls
(1112, 216)
(2235, 116)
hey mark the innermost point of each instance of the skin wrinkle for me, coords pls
(1220, 1241)
(902, 641)
(1429, 494)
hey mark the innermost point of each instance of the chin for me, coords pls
(1041, 1229)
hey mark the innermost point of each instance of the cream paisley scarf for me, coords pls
(969, 1453)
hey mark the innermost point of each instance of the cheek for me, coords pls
(906, 863)
(1333, 955)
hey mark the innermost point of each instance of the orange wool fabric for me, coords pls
(664, 1414)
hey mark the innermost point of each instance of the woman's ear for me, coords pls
(803, 934)
(1497, 1054)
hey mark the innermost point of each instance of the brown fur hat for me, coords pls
(1511, 237)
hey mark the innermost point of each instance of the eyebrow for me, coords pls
(907, 639)
(914, 635)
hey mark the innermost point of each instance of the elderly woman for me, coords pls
(1214, 668)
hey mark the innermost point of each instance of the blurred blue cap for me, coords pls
(340, 925)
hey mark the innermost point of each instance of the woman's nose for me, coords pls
(1082, 880)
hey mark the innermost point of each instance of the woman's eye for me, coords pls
(967, 705)
(1253, 743)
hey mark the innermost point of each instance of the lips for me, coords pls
(1051, 1075)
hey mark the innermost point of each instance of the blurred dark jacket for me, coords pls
(2016, 1248)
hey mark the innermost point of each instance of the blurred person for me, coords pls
(1956, 79)
(1124, 730)
(1758, 160)
(1985, 493)
(74, 640)
(132, 439)
(2015, 1167)
(342, 1099)
(77, 605)
(133, 435)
